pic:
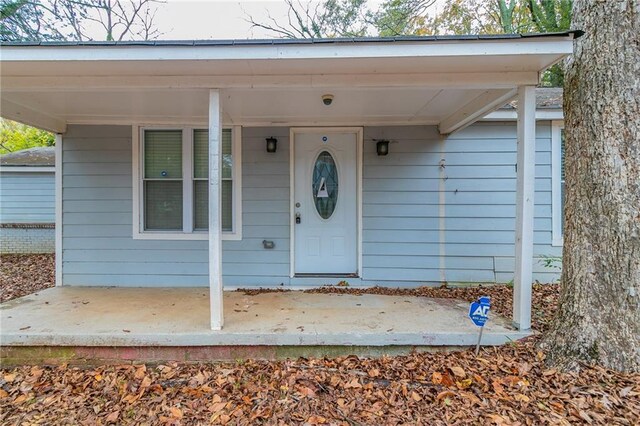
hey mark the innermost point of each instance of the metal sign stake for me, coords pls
(479, 338)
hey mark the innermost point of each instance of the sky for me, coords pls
(219, 19)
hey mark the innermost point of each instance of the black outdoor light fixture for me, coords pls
(272, 144)
(382, 147)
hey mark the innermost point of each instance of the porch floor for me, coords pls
(89, 316)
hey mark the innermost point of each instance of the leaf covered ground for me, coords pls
(22, 274)
(504, 386)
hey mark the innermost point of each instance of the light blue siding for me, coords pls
(27, 197)
(98, 247)
(434, 209)
(490, 218)
(444, 208)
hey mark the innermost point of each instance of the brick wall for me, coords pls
(27, 238)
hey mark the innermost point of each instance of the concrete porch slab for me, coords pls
(136, 317)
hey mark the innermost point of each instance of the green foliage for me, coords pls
(23, 20)
(550, 15)
(401, 17)
(551, 262)
(346, 18)
(16, 136)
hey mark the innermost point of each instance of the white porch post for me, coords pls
(215, 216)
(525, 189)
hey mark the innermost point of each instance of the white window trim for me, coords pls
(23, 169)
(556, 177)
(187, 149)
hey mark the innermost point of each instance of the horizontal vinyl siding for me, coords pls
(406, 242)
(489, 221)
(265, 213)
(98, 248)
(400, 192)
(404, 237)
(27, 197)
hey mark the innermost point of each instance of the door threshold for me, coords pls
(306, 275)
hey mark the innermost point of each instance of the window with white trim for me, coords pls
(557, 166)
(173, 191)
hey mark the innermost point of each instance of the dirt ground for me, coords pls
(508, 385)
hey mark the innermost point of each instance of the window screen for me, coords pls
(200, 178)
(162, 180)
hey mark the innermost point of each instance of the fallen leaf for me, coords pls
(306, 391)
(176, 412)
(217, 406)
(436, 378)
(113, 417)
(497, 419)
(354, 383)
(464, 384)
(140, 371)
(444, 394)
(316, 420)
(20, 399)
(458, 372)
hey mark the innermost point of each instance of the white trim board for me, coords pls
(58, 210)
(556, 185)
(502, 115)
(25, 169)
(359, 132)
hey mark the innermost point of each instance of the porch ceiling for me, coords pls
(445, 82)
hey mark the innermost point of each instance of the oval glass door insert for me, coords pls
(325, 185)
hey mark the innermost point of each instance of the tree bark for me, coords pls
(599, 314)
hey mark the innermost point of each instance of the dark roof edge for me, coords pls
(286, 41)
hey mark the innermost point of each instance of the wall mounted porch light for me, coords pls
(272, 144)
(382, 147)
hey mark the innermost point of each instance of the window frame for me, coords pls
(557, 126)
(188, 232)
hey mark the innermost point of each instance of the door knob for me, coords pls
(298, 220)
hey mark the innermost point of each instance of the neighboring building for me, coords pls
(295, 134)
(27, 201)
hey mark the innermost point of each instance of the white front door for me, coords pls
(325, 198)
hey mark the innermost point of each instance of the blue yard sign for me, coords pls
(479, 314)
(479, 311)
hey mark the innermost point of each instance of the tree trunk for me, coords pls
(599, 314)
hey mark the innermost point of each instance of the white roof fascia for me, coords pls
(553, 114)
(561, 45)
